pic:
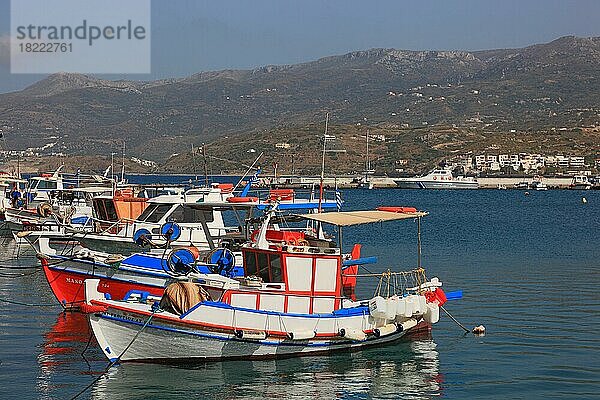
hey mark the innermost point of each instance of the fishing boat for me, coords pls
(50, 187)
(114, 234)
(438, 179)
(68, 210)
(522, 185)
(9, 185)
(538, 184)
(297, 297)
(580, 182)
(158, 264)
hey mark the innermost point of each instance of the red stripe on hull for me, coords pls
(68, 286)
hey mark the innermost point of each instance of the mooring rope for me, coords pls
(18, 267)
(112, 363)
(454, 319)
(29, 304)
(18, 275)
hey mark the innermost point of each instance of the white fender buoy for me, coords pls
(385, 330)
(392, 305)
(401, 308)
(302, 335)
(406, 325)
(352, 334)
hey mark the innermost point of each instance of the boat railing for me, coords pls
(396, 282)
(101, 226)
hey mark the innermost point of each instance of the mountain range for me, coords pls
(539, 91)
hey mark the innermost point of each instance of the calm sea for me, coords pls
(528, 267)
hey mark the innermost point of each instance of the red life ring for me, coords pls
(242, 199)
(434, 178)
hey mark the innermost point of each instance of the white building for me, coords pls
(504, 160)
(576, 162)
(562, 161)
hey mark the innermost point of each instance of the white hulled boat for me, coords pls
(295, 299)
(438, 179)
(580, 182)
(538, 183)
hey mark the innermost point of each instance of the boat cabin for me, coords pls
(196, 213)
(440, 174)
(123, 206)
(294, 272)
(295, 279)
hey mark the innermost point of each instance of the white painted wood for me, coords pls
(325, 274)
(323, 305)
(269, 302)
(298, 305)
(299, 271)
(243, 300)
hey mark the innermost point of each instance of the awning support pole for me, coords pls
(419, 241)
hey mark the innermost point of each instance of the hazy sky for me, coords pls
(190, 36)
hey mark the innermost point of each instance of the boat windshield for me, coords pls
(43, 184)
(154, 213)
(185, 214)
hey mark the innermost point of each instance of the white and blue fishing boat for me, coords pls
(296, 297)
(213, 248)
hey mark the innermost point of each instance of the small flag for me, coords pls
(338, 199)
(255, 176)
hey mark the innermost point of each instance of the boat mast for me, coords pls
(194, 165)
(205, 165)
(112, 172)
(323, 162)
(368, 162)
(123, 164)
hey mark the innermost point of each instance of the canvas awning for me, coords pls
(348, 218)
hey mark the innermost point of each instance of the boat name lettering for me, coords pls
(125, 317)
(71, 280)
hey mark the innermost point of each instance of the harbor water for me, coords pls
(528, 266)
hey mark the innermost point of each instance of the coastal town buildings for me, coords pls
(521, 162)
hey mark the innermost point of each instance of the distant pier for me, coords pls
(380, 182)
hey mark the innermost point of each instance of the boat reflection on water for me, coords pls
(409, 369)
(68, 336)
(60, 354)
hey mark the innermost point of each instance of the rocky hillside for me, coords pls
(538, 90)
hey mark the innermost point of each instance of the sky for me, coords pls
(191, 36)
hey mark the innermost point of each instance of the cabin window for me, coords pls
(178, 215)
(250, 259)
(100, 210)
(45, 185)
(158, 213)
(149, 210)
(106, 210)
(263, 266)
(111, 213)
(188, 215)
(275, 262)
